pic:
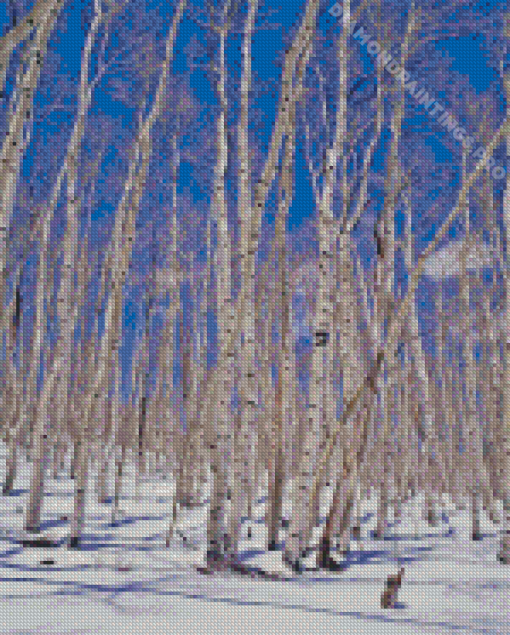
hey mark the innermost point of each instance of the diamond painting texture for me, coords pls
(254, 317)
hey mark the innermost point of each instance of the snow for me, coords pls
(451, 584)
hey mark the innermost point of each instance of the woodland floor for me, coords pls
(451, 584)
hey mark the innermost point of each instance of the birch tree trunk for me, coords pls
(123, 235)
(284, 388)
(218, 540)
(477, 477)
(67, 309)
(82, 468)
(248, 385)
(11, 153)
(504, 552)
(168, 337)
(302, 504)
(21, 32)
(39, 434)
(14, 385)
(347, 224)
(362, 395)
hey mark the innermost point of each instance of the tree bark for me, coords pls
(248, 384)
(218, 540)
(82, 470)
(11, 153)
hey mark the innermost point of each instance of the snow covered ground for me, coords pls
(451, 584)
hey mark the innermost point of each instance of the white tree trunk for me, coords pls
(504, 553)
(21, 105)
(217, 530)
(80, 493)
(248, 383)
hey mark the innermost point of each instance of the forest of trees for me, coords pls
(185, 325)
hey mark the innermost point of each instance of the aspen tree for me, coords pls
(144, 387)
(122, 243)
(346, 319)
(265, 317)
(425, 423)
(204, 407)
(283, 389)
(477, 476)
(384, 292)
(172, 290)
(319, 364)
(16, 404)
(22, 30)
(362, 396)
(493, 372)
(14, 382)
(301, 512)
(504, 467)
(21, 107)
(217, 530)
(59, 369)
(248, 387)
(41, 429)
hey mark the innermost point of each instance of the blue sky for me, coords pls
(468, 57)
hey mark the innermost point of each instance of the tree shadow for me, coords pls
(251, 553)
(110, 591)
(410, 536)
(16, 492)
(49, 524)
(366, 517)
(417, 624)
(130, 520)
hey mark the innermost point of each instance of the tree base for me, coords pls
(332, 565)
(432, 518)
(216, 560)
(295, 565)
(324, 559)
(8, 486)
(43, 543)
(74, 543)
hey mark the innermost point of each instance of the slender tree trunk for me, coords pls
(303, 506)
(82, 470)
(11, 465)
(477, 477)
(284, 388)
(217, 530)
(41, 428)
(338, 519)
(248, 386)
(124, 231)
(67, 313)
(103, 473)
(504, 467)
(74, 461)
(11, 153)
(117, 491)
(476, 499)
